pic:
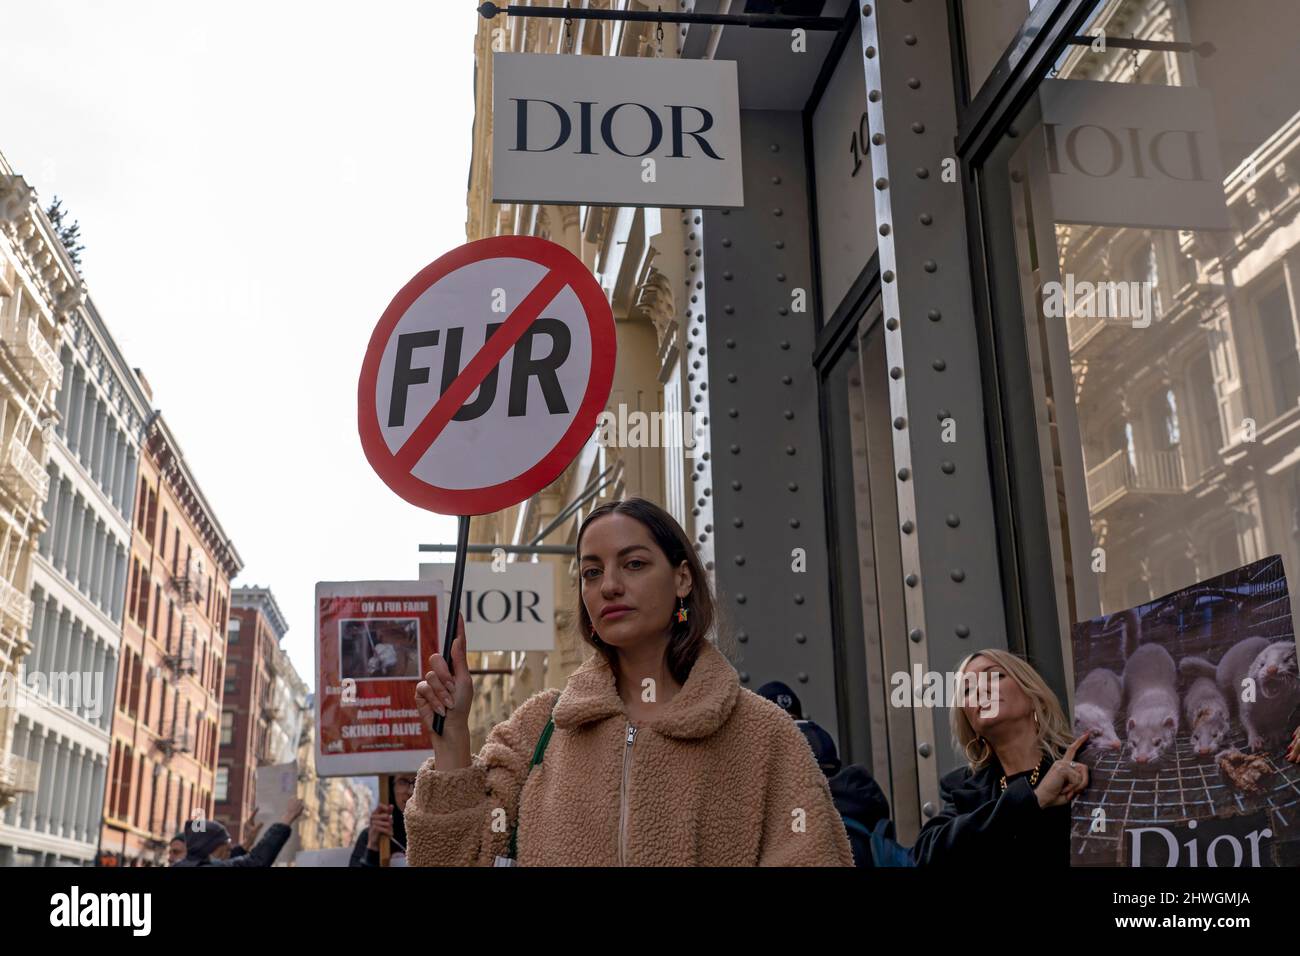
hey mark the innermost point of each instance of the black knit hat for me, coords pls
(199, 843)
(781, 695)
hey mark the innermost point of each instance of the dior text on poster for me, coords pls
(1189, 701)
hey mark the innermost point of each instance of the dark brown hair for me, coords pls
(687, 637)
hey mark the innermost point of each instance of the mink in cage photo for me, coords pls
(1189, 702)
(374, 649)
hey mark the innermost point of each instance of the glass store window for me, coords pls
(1141, 217)
(988, 27)
(845, 204)
(870, 645)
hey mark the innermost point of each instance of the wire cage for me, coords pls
(1186, 787)
(1204, 621)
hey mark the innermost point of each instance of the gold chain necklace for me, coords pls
(1033, 779)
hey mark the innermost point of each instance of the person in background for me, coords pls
(386, 820)
(861, 804)
(781, 695)
(1011, 803)
(822, 746)
(210, 846)
(176, 849)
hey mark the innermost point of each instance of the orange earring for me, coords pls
(681, 610)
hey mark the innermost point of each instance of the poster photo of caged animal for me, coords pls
(1192, 706)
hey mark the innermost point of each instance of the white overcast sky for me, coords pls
(254, 182)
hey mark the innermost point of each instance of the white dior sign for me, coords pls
(615, 131)
(507, 606)
(1124, 154)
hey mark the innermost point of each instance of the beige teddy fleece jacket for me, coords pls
(720, 777)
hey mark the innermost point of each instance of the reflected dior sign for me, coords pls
(1121, 154)
(615, 131)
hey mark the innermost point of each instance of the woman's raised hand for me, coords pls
(1064, 780)
(442, 692)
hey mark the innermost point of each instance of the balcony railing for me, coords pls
(34, 351)
(180, 664)
(170, 746)
(21, 465)
(15, 604)
(1098, 333)
(188, 585)
(1159, 472)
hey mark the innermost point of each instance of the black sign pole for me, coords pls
(453, 605)
(387, 797)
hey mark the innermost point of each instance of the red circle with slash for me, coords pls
(564, 271)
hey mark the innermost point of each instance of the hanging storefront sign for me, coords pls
(615, 131)
(508, 606)
(1124, 154)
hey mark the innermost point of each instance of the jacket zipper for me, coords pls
(622, 797)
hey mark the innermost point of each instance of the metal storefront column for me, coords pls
(766, 457)
(945, 509)
(698, 483)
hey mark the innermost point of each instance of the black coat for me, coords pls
(983, 824)
(263, 853)
(862, 804)
(362, 855)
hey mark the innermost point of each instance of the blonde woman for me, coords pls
(1012, 801)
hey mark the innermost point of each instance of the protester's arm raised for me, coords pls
(461, 815)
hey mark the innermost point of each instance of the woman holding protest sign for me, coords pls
(1011, 803)
(652, 755)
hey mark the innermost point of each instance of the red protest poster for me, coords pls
(373, 642)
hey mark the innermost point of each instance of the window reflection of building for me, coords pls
(1190, 428)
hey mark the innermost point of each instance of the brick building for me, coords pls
(254, 705)
(172, 665)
